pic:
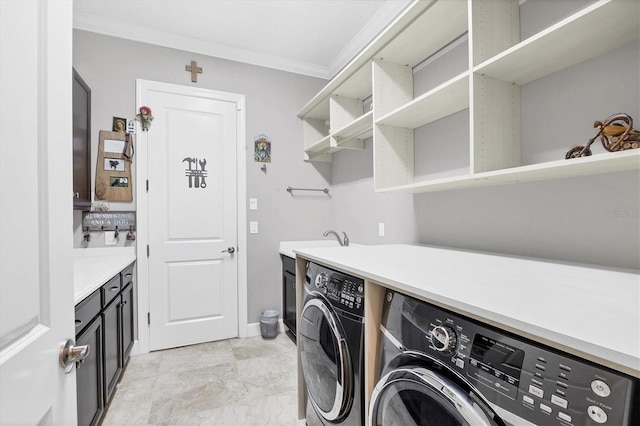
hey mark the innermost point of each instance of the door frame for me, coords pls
(142, 205)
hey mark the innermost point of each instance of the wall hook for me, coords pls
(264, 168)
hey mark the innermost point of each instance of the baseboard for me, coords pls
(253, 329)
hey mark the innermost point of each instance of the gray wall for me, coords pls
(110, 67)
(357, 209)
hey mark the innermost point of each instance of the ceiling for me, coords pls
(310, 37)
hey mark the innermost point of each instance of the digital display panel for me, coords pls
(497, 362)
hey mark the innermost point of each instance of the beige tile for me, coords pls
(122, 412)
(249, 381)
(279, 410)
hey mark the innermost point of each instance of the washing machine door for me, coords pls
(326, 364)
(418, 394)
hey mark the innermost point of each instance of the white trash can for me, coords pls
(269, 324)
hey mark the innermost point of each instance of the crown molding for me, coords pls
(117, 29)
(378, 23)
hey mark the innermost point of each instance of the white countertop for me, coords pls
(91, 270)
(588, 310)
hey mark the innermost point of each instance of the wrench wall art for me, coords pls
(197, 172)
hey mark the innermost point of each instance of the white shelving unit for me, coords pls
(499, 64)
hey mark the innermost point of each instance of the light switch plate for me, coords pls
(253, 227)
(110, 238)
(253, 204)
(381, 229)
(131, 127)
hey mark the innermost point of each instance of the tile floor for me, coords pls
(249, 381)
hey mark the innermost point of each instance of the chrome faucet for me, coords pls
(342, 242)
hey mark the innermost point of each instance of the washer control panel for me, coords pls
(345, 292)
(532, 381)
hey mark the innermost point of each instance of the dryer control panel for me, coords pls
(534, 382)
(344, 291)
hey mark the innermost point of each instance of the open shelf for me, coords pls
(442, 57)
(441, 23)
(444, 100)
(597, 29)
(360, 128)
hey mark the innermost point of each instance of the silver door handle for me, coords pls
(70, 354)
(230, 250)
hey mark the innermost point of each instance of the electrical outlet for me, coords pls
(381, 229)
(253, 227)
(110, 238)
(253, 204)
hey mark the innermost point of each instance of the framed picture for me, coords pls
(119, 125)
(114, 164)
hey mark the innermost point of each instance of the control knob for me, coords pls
(444, 338)
(321, 280)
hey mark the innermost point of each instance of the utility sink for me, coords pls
(287, 247)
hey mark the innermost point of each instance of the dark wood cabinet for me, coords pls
(89, 376)
(289, 294)
(105, 322)
(111, 319)
(81, 143)
(127, 322)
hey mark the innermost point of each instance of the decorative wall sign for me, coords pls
(262, 153)
(197, 172)
(108, 221)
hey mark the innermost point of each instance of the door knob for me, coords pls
(70, 354)
(230, 250)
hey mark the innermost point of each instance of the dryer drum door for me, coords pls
(326, 364)
(415, 395)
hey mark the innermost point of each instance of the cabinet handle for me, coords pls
(124, 302)
(128, 275)
(78, 323)
(76, 195)
(114, 288)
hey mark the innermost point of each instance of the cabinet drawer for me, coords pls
(87, 310)
(110, 290)
(289, 265)
(126, 275)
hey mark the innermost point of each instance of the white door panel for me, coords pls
(192, 218)
(36, 272)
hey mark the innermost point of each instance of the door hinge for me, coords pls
(147, 250)
(147, 185)
(148, 318)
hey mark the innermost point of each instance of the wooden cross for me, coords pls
(194, 69)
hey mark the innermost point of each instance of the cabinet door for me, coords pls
(89, 375)
(289, 293)
(81, 143)
(289, 312)
(127, 322)
(112, 346)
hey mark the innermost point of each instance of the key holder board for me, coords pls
(109, 221)
(113, 169)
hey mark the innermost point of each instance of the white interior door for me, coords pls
(36, 221)
(192, 202)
